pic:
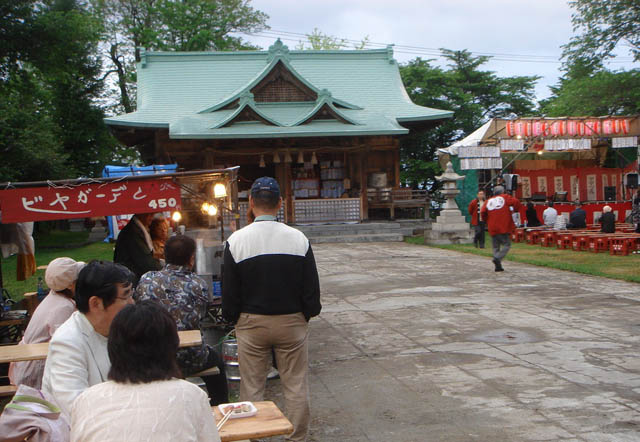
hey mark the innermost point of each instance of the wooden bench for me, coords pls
(8, 390)
(402, 198)
(31, 352)
(211, 371)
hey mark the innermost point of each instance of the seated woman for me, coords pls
(159, 230)
(61, 276)
(532, 216)
(143, 400)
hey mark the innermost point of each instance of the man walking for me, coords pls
(476, 220)
(270, 289)
(497, 214)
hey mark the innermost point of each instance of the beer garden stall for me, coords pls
(323, 123)
(593, 160)
(196, 199)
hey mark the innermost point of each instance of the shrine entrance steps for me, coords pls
(379, 231)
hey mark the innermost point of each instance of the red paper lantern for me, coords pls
(592, 127)
(511, 128)
(558, 128)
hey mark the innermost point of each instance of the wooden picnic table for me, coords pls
(31, 352)
(269, 421)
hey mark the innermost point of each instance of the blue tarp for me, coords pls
(116, 171)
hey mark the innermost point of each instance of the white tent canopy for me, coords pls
(472, 140)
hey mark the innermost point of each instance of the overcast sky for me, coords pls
(528, 31)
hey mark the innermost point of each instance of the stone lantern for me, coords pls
(450, 226)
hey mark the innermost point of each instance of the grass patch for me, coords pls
(61, 239)
(16, 289)
(626, 268)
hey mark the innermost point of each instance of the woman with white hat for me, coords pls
(61, 276)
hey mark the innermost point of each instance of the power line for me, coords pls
(421, 50)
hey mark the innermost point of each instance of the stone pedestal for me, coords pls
(98, 233)
(450, 226)
(76, 225)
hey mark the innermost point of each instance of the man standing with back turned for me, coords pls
(497, 213)
(270, 289)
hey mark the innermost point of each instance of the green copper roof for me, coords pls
(202, 94)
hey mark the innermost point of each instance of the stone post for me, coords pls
(450, 226)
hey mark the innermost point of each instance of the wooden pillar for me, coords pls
(289, 212)
(396, 156)
(364, 203)
(160, 156)
(235, 223)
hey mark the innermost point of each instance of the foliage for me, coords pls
(474, 95)
(603, 25)
(317, 40)
(49, 80)
(193, 25)
(602, 92)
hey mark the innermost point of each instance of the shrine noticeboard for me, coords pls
(88, 200)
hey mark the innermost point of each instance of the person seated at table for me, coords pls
(55, 309)
(144, 398)
(532, 216)
(549, 215)
(77, 357)
(578, 218)
(607, 220)
(561, 223)
(185, 296)
(159, 229)
(134, 247)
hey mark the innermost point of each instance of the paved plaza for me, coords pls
(421, 344)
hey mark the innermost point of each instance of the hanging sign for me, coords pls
(569, 127)
(88, 200)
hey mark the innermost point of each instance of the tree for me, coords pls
(317, 40)
(603, 25)
(51, 126)
(189, 25)
(595, 92)
(473, 94)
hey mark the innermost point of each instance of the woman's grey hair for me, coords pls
(606, 209)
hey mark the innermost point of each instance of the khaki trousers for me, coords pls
(287, 334)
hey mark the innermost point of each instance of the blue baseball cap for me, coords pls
(265, 183)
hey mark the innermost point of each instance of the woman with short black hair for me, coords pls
(143, 399)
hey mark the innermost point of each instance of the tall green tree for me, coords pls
(473, 94)
(169, 25)
(586, 86)
(51, 126)
(601, 26)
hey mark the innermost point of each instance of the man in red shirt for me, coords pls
(476, 221)
(497, 214)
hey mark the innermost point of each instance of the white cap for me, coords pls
(61, 273)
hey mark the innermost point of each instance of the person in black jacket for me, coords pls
(532, 216)
(270, 290)
(578, 218)
(134, 248)
(608, 220)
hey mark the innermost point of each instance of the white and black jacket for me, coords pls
(269, 269)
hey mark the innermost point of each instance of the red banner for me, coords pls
(88, 200)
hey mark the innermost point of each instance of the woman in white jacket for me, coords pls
(144, 399)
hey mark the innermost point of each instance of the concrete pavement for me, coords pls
(422, 344)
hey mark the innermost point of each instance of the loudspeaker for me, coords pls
(560, 197)
(631, 180)
(610, 193)
(510, 181)
(539, 197)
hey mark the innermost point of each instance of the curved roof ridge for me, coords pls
(278, 55)
(324, 99)
(246, 100)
